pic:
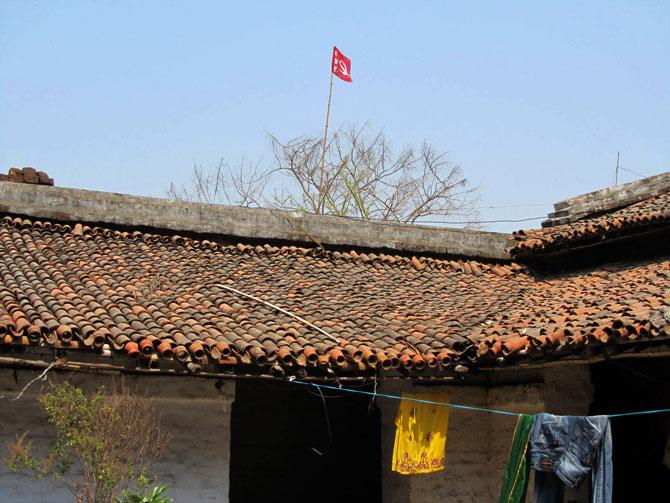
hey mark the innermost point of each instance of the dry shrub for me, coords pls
(109, 437)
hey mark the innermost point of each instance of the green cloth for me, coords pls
(515, 480)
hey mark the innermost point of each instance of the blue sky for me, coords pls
(532, 99)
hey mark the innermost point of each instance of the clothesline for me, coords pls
(453, 405)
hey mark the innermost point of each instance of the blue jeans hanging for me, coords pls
(570, 448)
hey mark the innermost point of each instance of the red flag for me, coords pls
(341, 65)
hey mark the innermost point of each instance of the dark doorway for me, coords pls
(286, 446)
(639, 442)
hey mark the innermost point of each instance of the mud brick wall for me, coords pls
(478, 443)
(195, 463)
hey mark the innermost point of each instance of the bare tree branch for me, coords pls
(363, 177)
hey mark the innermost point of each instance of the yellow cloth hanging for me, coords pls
(421, 434)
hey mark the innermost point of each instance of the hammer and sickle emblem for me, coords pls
(343, 68)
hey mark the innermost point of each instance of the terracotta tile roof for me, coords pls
(26, 175)
(644, 215)
(154, 296)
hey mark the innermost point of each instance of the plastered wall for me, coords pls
(478, 443)
(196, 461)
(196, 413)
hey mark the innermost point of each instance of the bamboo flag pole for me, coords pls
(325, 143)
(340, 65)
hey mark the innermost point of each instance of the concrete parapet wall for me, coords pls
(75, 205)
(611, 198)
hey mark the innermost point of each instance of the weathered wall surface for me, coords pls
(76, 205)
(478, 443)
(197, 415)
(196, 463)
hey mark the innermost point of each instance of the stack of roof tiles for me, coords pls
(26, 175)
(158, 298)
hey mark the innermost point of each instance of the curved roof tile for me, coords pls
(644, 215)
(155, 296)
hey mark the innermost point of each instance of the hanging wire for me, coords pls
(641, 374)
(456, 406)
(374, 396)
(343, 395)
(450, 222)
(530, 205)
(417, 400)
(330, 432)
(502, 221)
(632, 172)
